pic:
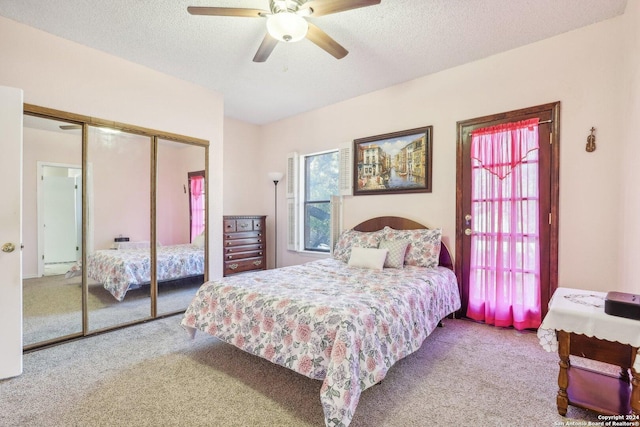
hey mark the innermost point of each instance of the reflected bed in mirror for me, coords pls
(121, 270)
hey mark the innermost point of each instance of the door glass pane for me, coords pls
(52, 229)
(181, 202)
(118, 227)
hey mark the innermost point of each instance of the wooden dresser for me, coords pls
(244, 243)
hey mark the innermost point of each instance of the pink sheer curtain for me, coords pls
(504, 282)
(197, 205)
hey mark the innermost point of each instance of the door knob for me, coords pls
(8, 247)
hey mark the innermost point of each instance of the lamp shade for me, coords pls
(287, 26)
(275, 176)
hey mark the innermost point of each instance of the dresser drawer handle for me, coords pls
(257, 262)
(243, 225)
(233, 266)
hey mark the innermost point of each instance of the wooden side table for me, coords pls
(590, 389)
(576, 325)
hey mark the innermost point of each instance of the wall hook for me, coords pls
(591, 141)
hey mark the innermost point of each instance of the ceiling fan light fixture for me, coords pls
(287, 26)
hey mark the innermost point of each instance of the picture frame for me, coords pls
(393, 163)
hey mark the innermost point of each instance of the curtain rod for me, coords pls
(539, 123)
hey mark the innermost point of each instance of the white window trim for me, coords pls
(295, 198)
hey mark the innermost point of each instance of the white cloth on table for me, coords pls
(582, 312)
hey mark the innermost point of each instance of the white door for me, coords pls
(11, 232)
(59, 193)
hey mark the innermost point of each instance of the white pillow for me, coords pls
(367, 257)
(199, 240)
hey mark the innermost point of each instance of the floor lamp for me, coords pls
(275, 177)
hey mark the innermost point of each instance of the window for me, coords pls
(319, 179)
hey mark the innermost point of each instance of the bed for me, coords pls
(120, 270)
(341, 320)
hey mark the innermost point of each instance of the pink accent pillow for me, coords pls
(397, 252)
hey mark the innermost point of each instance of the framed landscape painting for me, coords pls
(398, 162)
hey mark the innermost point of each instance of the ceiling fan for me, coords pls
(286, 22)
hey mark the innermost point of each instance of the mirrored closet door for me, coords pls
(52, 229)
(118, 227)
(180, 223)
(114, 224)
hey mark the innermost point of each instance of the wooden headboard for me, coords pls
(399, 223)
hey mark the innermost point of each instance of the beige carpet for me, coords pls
(465, 374)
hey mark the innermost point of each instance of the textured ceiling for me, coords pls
(395, 41)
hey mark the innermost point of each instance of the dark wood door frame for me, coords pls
(549, 113)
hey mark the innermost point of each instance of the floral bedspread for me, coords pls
(124, 269)
(343, 325)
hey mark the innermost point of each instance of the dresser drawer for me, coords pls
(242, 249)
(229, 225)
(243, 235)
(238, 255)
(244, 225)
(232, 267)
(241, 224)
(242, 242)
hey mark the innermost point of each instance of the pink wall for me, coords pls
(630, 226)
(581, 69)
(67, 76)
(243, 187)
(119, 187)
(175, 161)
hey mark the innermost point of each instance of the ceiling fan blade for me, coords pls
(322, 39)
(227, 11)
(326, 7)
(265, 49)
